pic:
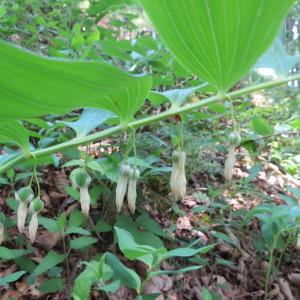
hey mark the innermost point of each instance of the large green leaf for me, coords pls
(31, 85)
(14, 132)
(218, 40)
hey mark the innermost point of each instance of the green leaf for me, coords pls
(77, 230)
(217, 40)
(52, 285)
(261, 126)
(14, 132)
(186, 252)
(8, 254)
(82, 242)
(278, 59)
(206, 294)
(11, 277)
(2, 11)
(100, 8)
(175, 272)
(126, 276)
(84, 281)
(49, 261)
(49, 224)
(177, 96)
(129, 247)
(31, 86)
(89, 120)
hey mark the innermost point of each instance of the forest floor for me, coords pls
(234, 269)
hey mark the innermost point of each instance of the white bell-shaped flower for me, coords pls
(234, 140)
(229, 165)
(81, 180)
(122, 186)
(23, 196)
(178, 178)
(36, 206)
(181, 176)
(134, 174)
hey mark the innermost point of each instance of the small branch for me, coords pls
(145, 121)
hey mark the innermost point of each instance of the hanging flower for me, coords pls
(81, 180)
(174, 173)
(35, 207)
(181, 175)
(23, 196)
(178, 178)
(122, 186)
(234, 140)
(134, 174)
(1, 232)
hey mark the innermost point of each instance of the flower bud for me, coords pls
(81, 180)
(122, 186)
(234, 139)
(24, 194)
(1, 232)
(134, 174)
(36, 206)
(229, 165)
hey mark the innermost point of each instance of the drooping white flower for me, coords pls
(23, 196)
(178, 178)
(229, 165)
(181, 175)
(122, 186)
(36, 206)
(174, 174)
(234, 140)
(1, 232)
(131, 196)
(81, 180)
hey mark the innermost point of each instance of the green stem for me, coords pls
(271, 256)
(145, 121)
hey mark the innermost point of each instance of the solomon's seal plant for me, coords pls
(23, 196)
(134, 174)
(122, 186)
(35, 207)
(81, 180)
(234, 140)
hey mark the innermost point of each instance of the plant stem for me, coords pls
(271, 256)
(145, 121)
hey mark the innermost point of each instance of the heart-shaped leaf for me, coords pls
(31, 85)
(89, 120)
(218, 40)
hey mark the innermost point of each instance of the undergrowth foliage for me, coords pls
(84, 112)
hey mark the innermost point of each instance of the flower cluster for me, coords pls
(128, 177)
(24, 196)
(178, 179)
